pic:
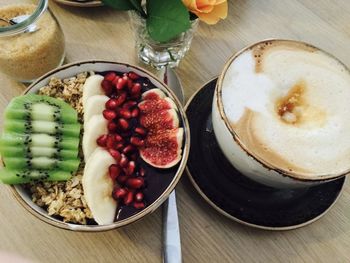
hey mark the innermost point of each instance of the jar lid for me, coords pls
(13, 29)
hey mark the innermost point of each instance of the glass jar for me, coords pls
(31, 47)
(160, 54)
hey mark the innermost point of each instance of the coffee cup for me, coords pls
(280, 114)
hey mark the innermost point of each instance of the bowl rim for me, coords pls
(218, 92)
(150, 208)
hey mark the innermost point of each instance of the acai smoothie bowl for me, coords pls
(94, 145)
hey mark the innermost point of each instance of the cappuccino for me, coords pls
(289, 105)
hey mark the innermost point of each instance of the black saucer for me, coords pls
(238, 197)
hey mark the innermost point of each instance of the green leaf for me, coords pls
(166, 19)
(120, 4)
(137, 5)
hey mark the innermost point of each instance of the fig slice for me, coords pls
(162, 146)
(160, 120)
(148, 106)
(153, 94)
(163, 149)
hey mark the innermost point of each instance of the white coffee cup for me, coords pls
(278, 114)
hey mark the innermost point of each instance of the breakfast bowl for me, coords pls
(134, 179)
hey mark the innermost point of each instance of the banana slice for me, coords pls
(94, 106)
(92, 86)
(94, 128)
(98, 187)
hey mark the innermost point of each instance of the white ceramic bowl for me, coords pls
(73, 69)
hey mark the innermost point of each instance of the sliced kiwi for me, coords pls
(49, 127)
(30, 152)
(40, 139)
(35, 107)
(41, 163)
(25, 176)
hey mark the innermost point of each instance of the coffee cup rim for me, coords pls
(267, 165)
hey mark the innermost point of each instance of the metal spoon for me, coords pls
(171, 228)
(19, 19)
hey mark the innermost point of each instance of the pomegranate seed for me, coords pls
(139, 205)
(115, 154)
(121, 179)
(133, 75)
(114, 171)
(109, 114)
(122, 82)
(135, 112)
(137, 141)
(141, 131)
(142, 172)
(135, 183)
(123, 161)
(110, 142)
(129, 149)
(115, 80)
(107, 87)
(128, 198)
(123, 124)
(130, 84)
(129, 104)
(125, 113)
(119, 193)
(118, 138)
(110, 76)
(119, 146)
(102, 140)
(111, 104)
(112, 126)
(136, 89)
(121, 98)
(138, 197)
(130, 168)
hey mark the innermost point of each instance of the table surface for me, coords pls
(206, 235)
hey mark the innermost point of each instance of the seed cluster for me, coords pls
(125, 136)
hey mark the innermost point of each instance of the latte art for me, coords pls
(289, 104)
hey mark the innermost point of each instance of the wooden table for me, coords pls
(206, 235)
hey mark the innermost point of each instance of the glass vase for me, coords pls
(160, 54)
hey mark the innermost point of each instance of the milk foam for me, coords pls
(319, 144)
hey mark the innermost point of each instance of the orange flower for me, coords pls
(209, 11)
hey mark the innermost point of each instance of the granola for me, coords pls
(65, 199)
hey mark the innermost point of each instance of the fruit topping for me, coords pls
(93, 86)
(94, 105)
(162, 146)
(138, 124)
(98, 186)
(153, 94)
(163, 149)
(94, 128)
(156, 105)
(133, 75)
(40, 140)
(161, 120)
